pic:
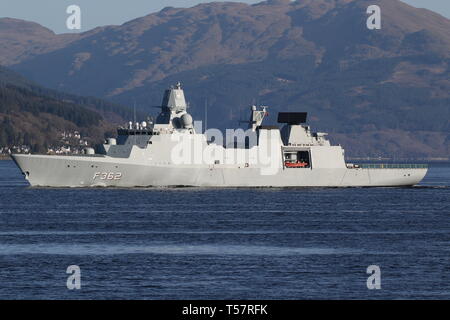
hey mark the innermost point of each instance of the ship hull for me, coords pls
(104, 171)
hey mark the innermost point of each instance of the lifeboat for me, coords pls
(296, 164)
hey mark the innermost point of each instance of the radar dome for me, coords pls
(186, 119)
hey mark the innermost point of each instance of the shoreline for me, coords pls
(5, 157)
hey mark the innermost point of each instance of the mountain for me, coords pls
(23, 40)
(35, 116)
(112, 112)
(379, 92)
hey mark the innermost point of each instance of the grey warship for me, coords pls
(173, 151)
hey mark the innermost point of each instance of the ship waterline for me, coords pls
(148, 154)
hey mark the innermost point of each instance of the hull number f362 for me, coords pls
(108, 176)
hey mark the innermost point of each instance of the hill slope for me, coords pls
(34, 116)
(22, 40)
(390, 85)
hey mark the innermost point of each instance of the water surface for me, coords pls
(192, 243)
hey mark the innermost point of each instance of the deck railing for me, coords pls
(393, 166)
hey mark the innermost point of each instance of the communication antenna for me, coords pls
(240, 113)
(134, 110)
(240, 117)
(206, 113)
(134, 118)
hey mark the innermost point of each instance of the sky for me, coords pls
(52, 13)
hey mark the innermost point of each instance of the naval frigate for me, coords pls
(174, 151)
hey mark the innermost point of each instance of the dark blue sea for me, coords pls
(189, 243)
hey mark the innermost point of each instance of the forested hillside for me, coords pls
(36, 118)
